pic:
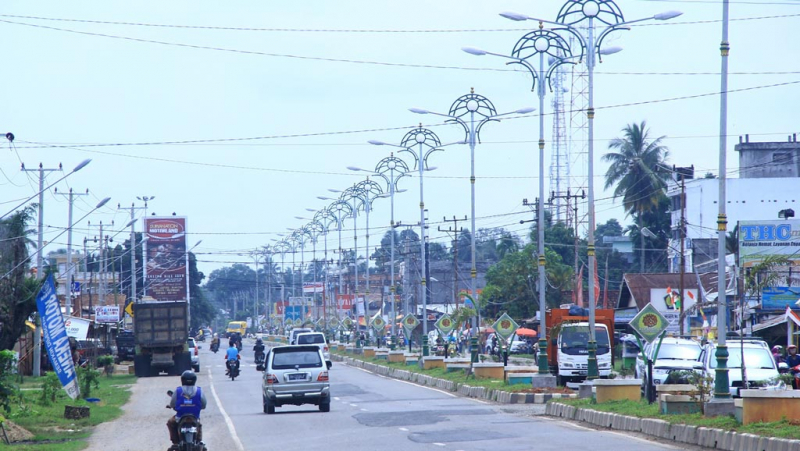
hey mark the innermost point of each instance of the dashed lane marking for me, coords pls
(228, 421)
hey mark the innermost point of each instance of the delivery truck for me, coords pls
(161, 333)
(567, 343)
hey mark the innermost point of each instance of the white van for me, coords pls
(297, 331)
(315, 338)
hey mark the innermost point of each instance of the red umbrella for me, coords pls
(525, 332)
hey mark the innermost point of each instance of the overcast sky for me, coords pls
(72, 82)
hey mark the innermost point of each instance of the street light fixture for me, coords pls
(609, 14)
(421, 143)
(471, 105)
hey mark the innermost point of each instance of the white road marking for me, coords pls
(353, 405)
(364, 409)
(336, 398)
(439, 444)
(228, 421)
(404, 429)
(422, 386)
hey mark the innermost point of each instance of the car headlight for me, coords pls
(568, 365)
(605, 365)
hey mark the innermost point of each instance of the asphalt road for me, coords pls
(370, 412)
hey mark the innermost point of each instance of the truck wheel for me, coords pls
(197, 368)
(141, 365)
(559, 380)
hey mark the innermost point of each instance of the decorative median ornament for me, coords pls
(298, 322)
(445, 324)
(333, 322)
(347, 322)
(649, 323)
(410, 322)
(378, 324)
(505, 326)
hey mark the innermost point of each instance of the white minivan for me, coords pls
(297, 331)
(315, 338)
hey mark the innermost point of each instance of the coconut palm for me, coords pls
(638, 170)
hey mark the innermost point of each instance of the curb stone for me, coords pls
(680, 433)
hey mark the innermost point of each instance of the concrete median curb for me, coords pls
(462, 389)
(680, 433)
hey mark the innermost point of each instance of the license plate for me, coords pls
(582, 373)
(297, 377)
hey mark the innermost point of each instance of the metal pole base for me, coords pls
(544, 367)
(425, 351)
(592, 372)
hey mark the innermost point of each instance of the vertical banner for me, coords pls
(56, 341)
(166, 268)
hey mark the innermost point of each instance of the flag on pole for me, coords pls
(596, 284)
(579, 288)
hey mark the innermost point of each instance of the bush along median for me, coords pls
(34, 416)
(722, 432)
(497, 390)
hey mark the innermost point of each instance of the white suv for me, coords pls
(315, 338)
(296, 375)
(759, 366)
(674, 354)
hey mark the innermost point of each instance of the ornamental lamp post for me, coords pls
(571, 14)
(467, 107)
(420, 143)
(535, 44)
(391, 169)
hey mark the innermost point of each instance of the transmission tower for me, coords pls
(578, 126)
(559, 158)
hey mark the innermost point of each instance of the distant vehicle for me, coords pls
(126, 346)
(297, 331)
(161, 332)
(194, 351)
(567, 351)
(296, 375)
(236, 326)
(315, 338)
(520, 347)
(674, 354)
(762, 373)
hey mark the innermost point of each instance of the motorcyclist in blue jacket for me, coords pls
(188, 399)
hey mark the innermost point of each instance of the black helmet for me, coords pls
(259, 340)
(188, 378)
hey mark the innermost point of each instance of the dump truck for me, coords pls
(161, 333)
(567, 343)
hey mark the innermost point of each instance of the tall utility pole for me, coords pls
(455, 230)
(683, 174)
(70, 267)
(134, 278)
(574, 210)
(144, 199)
(37, 346)
(102, 266)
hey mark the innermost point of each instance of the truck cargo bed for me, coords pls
(160, 323)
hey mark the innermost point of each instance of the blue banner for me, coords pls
(56, 341)
(778, 298)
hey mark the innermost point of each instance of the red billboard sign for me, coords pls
(166, 268)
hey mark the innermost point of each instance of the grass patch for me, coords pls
(641, 409)
(47, 422)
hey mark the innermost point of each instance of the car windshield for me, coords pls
(574, 340)
(310, 339)
(669, 351)
(754, 358)
(291, 359)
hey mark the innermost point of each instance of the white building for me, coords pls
(769, 183)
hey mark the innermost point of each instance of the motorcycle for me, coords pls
(260, 360)
(188, 428)
(233, 368)
(215, 347)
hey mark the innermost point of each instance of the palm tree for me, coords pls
(638, 171)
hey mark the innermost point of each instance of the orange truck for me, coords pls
(567, 340)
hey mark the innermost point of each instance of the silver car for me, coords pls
(296, 375)
(193, 351)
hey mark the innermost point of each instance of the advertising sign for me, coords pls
(668, 302)
(55, 337)
(759, 239)
(77, 328)
(166, 268)
(106, 314)
(778, 298)
(344, 302)
(313, 287)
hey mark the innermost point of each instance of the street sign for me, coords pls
(129, 308)
(445, 325)
(410, 322)
(378, 324)
(649, 323)
(505, 326)
(347, 322)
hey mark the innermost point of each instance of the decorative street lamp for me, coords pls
(421, 143)
(610, 16)
(340, 211)
(538, 43)
(391, 169)
(471, 105)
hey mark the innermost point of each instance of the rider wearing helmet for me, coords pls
(777, 354)
(188, 399)
(232, 354)
(259, 349)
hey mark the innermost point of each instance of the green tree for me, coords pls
(17, 288)
(202, 310)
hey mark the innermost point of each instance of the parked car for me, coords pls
(315, 338)
(674, 354)
(759, 366)
(194, 352)
(296, 375)
(126, 346)
(520, 347)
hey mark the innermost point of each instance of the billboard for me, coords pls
(313, 287)
(778, 298)
(106, 314)
(166, 268)
(668, 302)
(758, 239)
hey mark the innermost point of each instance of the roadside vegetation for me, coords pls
(39, 409)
